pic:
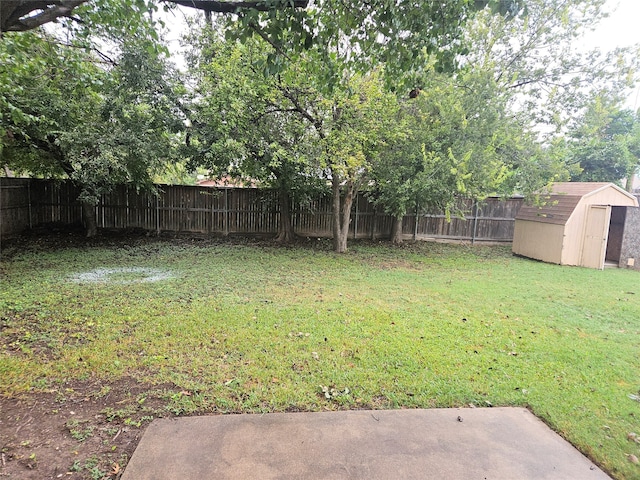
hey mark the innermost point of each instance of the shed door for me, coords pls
(595, 236)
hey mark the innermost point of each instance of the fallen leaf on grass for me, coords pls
(299, 334)
(632, 458)
(332, 393)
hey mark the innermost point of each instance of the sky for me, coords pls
(621, 29)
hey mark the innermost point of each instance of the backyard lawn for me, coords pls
(97, 339)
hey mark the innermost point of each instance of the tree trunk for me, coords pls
(629, 185)
(396, 230)
(341, 214)
(335, 209)
(89, 219)
(285, 229)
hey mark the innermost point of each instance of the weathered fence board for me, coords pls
(15, 211)
(28, 203)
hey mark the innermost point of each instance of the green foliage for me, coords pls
(91, 100)
(80, 430)
(108, 19)
(460, 139)
(66, 113)
(280, 130)
(295, 97)
(47, 89)
(353, 125)
(341, 38)
(534, 58)
(606, 143)
(131, 136)
(243, 124)
(421, 166)
(249, 126)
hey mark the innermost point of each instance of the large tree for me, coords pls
(350, 59)
(353, 126)
(342, 34)
(460, 140)
(483, 129)
(282, 131)
(68, 115)
(537, 60)
(605, 145)
(243, 124)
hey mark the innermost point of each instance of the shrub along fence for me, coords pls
(32, 203)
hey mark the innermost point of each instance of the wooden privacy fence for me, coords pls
(30, 203)
(15, 206)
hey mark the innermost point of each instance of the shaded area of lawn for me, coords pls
(249, 327)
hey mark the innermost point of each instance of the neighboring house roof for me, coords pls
(562, 201)
(226, 181)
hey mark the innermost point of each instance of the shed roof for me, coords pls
(562, 201)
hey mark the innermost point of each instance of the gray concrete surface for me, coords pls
(482, 443)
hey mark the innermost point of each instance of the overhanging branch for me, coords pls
(14, 15)
(23, 15)
(233, 7)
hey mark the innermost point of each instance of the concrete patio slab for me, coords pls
(483, 443)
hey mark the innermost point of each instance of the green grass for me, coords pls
(256, 328)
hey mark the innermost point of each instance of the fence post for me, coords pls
(1, 215)
(355, 223)
(158, 214)
(225, 217)
(29, 202)
(102, 203)
(415, 224)
(475, 222)
(373, 223)
(212, 221)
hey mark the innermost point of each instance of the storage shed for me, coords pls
(580, 224)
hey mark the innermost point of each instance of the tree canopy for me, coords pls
(415, 102)
(605, 144)
(536, 59)
(21, 16)
(67, 112)
(244, 124)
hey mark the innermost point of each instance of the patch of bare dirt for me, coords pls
(79, 430)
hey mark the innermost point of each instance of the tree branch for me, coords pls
(234, 7)
(15, 15)
(105, 58)
(266, 38)
(14, 19)
(297, 107)
(260, 116)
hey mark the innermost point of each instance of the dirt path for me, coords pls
(81, 430)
